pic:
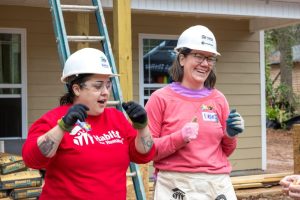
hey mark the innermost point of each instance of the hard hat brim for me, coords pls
(63, 78)
(196, 48)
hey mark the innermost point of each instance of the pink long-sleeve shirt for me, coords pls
(169, 111)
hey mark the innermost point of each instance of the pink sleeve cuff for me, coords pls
(177, 140)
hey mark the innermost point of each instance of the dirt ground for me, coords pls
(279, 159)
(279, 151)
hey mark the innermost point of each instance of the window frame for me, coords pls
(23, 85)
(142, 85)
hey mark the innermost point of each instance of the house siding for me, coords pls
(238, 70)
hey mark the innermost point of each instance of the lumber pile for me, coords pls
(16, 180)
(257, 181)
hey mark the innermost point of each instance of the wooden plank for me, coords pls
(248, 185)
(296, 147)
(261, 178)
(122, 44)
(296, 78)
(82, 28)
(256, 181)
(123, 57)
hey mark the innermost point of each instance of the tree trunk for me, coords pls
(286, 64)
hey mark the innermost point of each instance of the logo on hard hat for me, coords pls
(104, 62)
(207, 40)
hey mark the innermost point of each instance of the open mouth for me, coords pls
(201, 71)
(103, 101)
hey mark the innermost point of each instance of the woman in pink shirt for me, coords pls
(194, 132)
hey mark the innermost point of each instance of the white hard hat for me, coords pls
(86, 61)
(198, 38)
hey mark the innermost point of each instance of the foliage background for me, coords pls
(281, 101)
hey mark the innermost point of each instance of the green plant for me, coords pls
(272, 113)
(280, 105)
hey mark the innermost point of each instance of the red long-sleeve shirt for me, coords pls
(87, 165)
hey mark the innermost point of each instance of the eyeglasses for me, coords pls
(98, 86)
(211, 60)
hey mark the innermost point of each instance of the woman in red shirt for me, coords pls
(85, 147)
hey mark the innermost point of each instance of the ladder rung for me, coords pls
(113, 103)
(83, 38)
(78, 8)
(130, 174)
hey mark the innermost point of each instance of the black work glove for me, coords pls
(136, 113)
(76, 112)
(234, 123)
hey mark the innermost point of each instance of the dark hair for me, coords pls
(68, 97)
(176, 70)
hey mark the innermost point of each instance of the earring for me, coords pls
(76, 93)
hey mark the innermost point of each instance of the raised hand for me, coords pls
(190, 130)
(76, 112)
(234, 123)
(136, 113)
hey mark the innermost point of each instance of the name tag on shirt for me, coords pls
(209, 117)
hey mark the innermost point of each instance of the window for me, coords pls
(13, 93)
(156, 56)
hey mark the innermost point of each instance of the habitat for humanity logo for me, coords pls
(178, 194)
(81, 137)
(111, 137)
(104, 62)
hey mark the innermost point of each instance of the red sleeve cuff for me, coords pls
(140, 158)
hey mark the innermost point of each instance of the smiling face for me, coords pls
(94, 93)
(196, 67)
